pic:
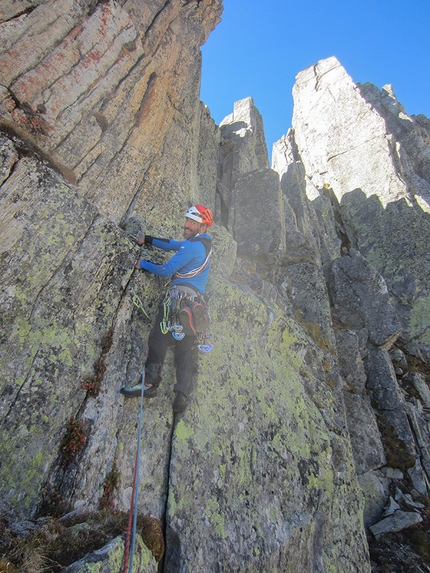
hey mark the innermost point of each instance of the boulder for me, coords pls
(398, 521)
(110, 559)
(361, 300)
(366, 442)
(374, 497)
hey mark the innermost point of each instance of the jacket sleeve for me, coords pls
(184, 255)
(165, 244)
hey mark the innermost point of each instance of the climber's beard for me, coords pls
(191, 228)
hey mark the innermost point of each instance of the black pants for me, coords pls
(185, 357)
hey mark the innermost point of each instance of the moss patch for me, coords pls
(420, 318)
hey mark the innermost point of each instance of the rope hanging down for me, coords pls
(130, 542)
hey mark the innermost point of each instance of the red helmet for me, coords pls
(200, 214)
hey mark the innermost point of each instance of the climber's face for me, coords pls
(192, 228)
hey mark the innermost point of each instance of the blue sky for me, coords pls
(261, 45)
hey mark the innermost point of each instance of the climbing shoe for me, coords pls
(201, 321)
(187, 321)
(149, 391)
(180, 403)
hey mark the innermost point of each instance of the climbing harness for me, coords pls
(177, 303)
(130, 542)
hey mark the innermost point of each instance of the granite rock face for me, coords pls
(242, 150)
(353, 147)
(361, 144)
(361, 300)
(262, 458)
(312, 406)
(105, 87)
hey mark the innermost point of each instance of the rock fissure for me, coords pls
(157, 16)
(353, 150)
(16, 399)
(318, 75)
(131, 207)
(420, 446)
(20, 14)
(169, 492)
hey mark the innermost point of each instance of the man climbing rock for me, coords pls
(183, 315)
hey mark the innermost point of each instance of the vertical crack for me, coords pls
(162, 564)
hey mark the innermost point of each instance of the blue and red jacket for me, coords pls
(191, 256)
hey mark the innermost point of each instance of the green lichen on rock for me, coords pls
(62, 298)
(110, 559)
(264, 457)
(420, 318)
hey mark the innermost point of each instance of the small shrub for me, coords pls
(53, 504)
(92, 382)
(109, 484)
(73, 440)
(152, 535)
(52, 544)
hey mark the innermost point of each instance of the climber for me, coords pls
(183, 312)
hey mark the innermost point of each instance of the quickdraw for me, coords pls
(172, 306)
(137, 302)
(173, 302)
